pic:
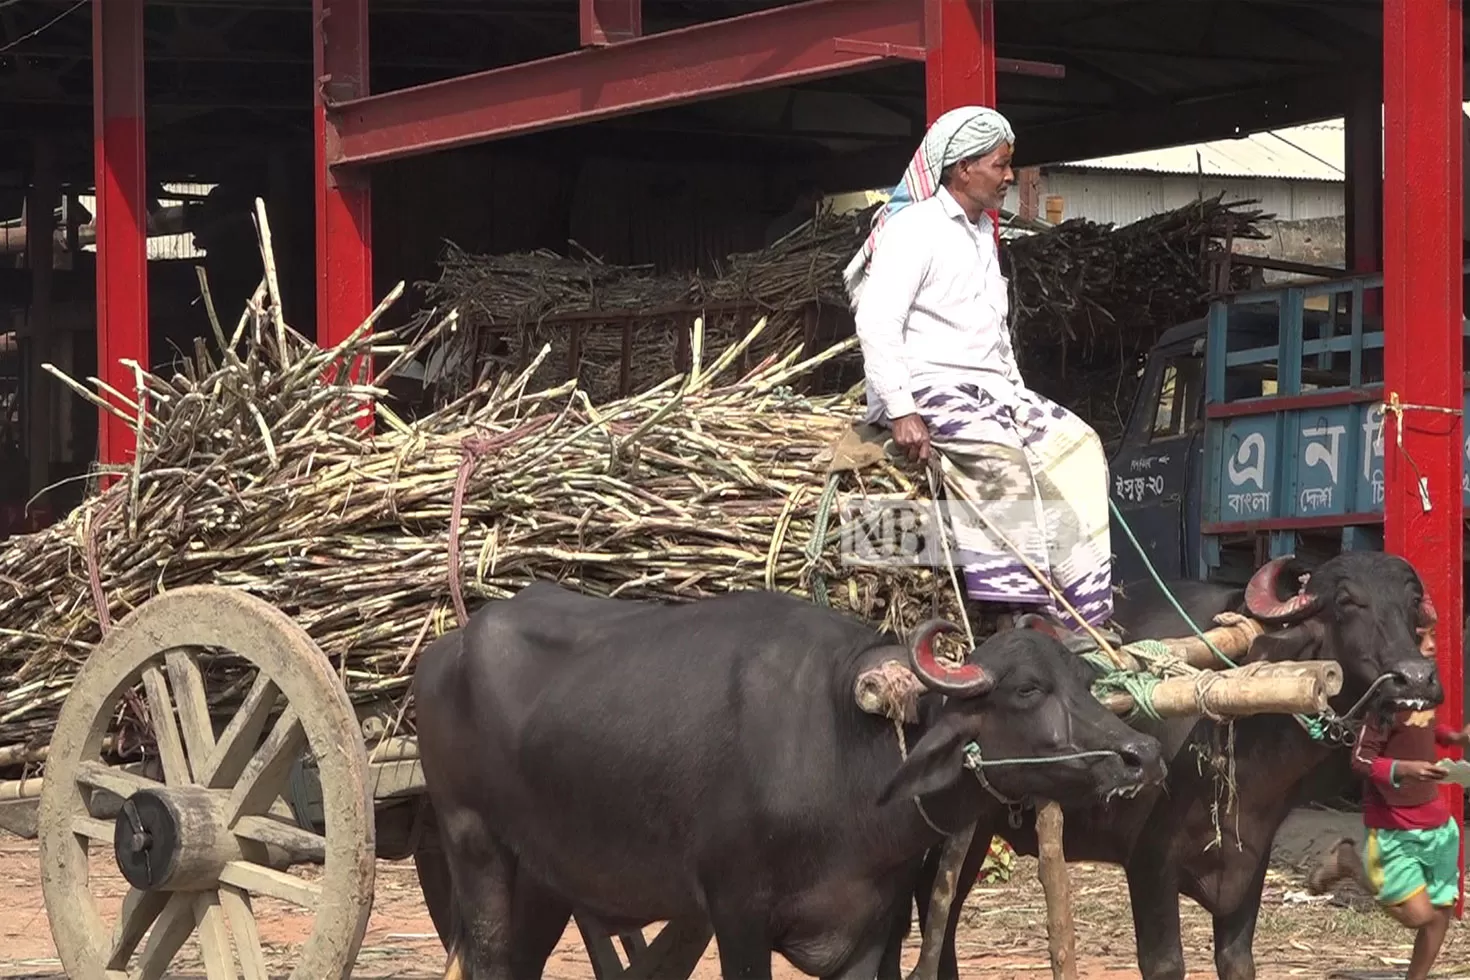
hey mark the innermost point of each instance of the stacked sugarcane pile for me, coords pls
(1099, 295)
(511, 306)
(253, 474)
(1091, 289)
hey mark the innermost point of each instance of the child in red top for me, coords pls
(1413, 844)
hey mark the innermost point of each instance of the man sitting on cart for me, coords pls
(931, 310)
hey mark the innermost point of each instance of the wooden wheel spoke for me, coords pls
(258, 880)
(139, 911)
(237, 742)
(266, 771)
(188, 686)
(301, 846)
(174, 925)
(118, 782)
(241, 918)
(166, 729)
(93, 829)
(214, 940)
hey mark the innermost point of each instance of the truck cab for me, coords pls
(1257, 431)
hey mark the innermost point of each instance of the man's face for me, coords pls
(985, 180)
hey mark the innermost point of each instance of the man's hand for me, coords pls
(1461, 738)
(912, 436)
(1417, 771)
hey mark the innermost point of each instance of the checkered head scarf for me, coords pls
(959, 134)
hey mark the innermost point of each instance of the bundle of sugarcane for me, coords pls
(1097, 294)
(1091, 290)
(512, 306)
(252, 474)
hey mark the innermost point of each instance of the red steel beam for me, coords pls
(781, 46)
(344, 250)
(1422, 51)
(610, 21)
(122, 210)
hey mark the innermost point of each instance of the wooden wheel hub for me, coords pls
(173, 839)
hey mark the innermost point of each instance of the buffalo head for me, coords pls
(1020, 695)
(1365, 609)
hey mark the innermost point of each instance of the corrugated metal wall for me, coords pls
(675, 215)
(483, 199)
(1121, 198)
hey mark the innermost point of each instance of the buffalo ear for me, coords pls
(936, 762)
(1291, 643)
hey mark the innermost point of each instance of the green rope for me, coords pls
(1138, 685)
(1157, 655)
(1162, 587)
(816, 581)
(1315, 725)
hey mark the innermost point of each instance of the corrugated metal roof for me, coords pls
(1311, 152)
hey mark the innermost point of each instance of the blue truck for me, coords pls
(1257, 431)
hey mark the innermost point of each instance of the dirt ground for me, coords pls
(1003, 937)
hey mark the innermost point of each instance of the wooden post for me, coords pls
(941, 900)
(40, 227)
(1061, 939)
(1028, 181)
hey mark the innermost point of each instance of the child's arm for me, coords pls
(1367, 760)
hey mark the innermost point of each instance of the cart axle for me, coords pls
(174, 839)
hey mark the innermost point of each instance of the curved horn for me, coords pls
(965, 681)
(1261, 596)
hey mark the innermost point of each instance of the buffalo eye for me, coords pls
(1029, 692)
(1348, 595)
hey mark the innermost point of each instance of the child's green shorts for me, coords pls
(1402, 863)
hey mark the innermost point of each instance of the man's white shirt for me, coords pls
(933, 308)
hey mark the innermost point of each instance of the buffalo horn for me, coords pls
(965, 681)
(1261, 596)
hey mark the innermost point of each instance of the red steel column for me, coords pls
(959, 67)
(122, 209)
(1422, 51)
(344, 251)
(959, 61)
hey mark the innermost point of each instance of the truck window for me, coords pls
(1179, 397)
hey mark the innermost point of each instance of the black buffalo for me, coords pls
(707, 762)
(1362, 609)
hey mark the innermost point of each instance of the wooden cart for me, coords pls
(232, 804)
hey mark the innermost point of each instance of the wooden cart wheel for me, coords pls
(198, 848)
